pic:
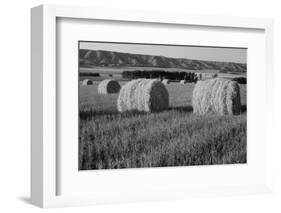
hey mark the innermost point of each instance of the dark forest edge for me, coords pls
(160, 74)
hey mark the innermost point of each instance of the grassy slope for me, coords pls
(175, 137)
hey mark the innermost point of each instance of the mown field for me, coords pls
(175, 137)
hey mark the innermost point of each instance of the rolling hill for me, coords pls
(101, 58)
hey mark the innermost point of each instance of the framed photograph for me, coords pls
(129, 106)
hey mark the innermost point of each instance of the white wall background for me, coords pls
(15, 104)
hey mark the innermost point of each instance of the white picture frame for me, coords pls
(44, 169)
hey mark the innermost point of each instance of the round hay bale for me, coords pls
(108, 86)
(215, 75)
(216, 95)
(165, 81)
(87, 82)
(143, 95)
(183, 82)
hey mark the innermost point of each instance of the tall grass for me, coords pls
(176, 137)
(171, 138)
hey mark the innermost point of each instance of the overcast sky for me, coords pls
(238, 55)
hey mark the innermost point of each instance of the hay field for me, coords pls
(176, 137)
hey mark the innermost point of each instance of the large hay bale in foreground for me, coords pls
(87, 82)
(108, 86)
(143, 95)
(216, 95)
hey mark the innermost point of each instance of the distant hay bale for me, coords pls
(183, 82)
(165, 81)
(215, 75)
(143, 95)
(108, 86)
(216, 95)
(87, 82)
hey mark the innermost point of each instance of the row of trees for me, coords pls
(89, 74)
(188, 76)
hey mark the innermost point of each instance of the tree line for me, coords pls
(89, 74)
(188, 76)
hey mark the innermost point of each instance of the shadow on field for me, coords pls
(89, 113)
(182, 108)
(244, 108)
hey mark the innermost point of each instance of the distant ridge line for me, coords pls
(94, 58)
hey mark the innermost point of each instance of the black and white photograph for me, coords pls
(161, 105)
